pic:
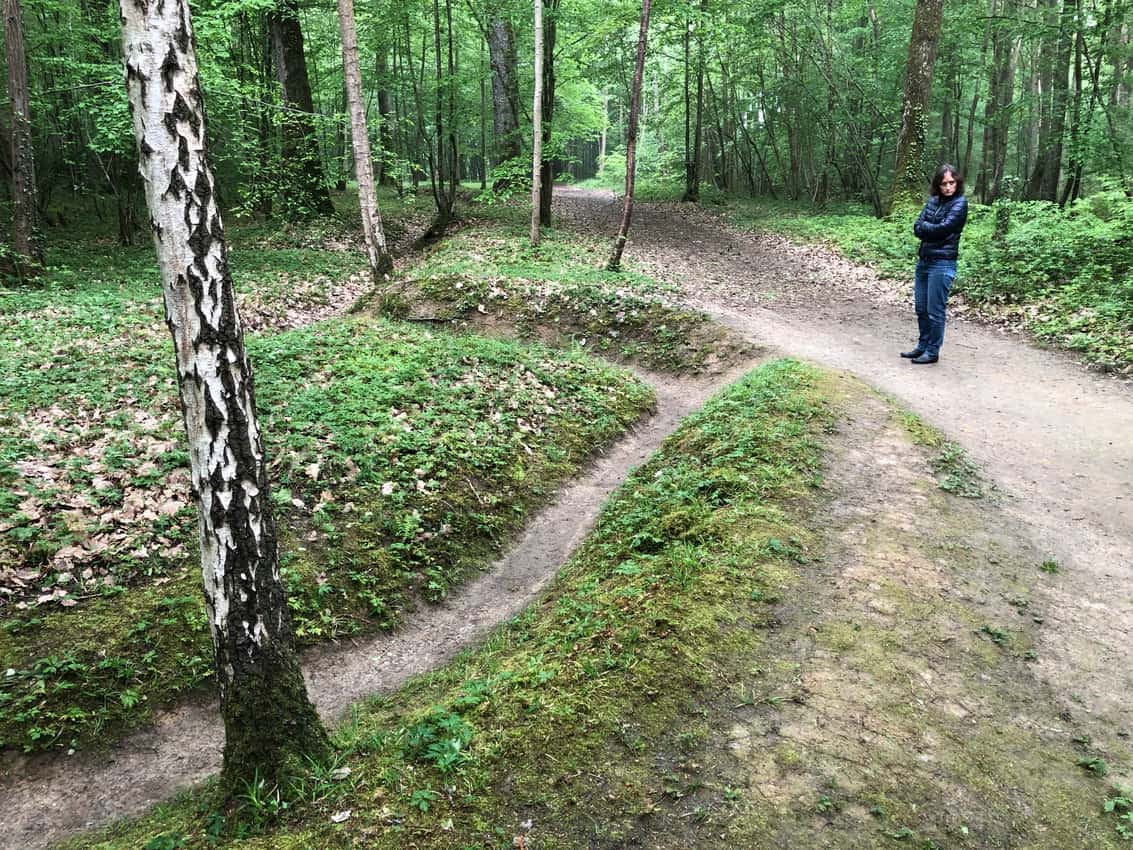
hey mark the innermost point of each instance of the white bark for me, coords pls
(267, 716)
(381, 264)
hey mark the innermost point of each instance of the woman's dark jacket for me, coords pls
(939, 225)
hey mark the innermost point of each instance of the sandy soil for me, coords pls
(1053, 436)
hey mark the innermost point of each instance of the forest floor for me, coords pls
(924, 649)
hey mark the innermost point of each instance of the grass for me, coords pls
(402, 459)
(559, 292)
(620, 653)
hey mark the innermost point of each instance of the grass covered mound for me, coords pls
(564, 716)
(560, 292)
(401, 460)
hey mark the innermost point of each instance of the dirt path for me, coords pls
(46, 798)
(1056, 438)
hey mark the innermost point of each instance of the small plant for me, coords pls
(1095, 765)
(1121, 807)
(423, 798)
(261, 803)
(998, 636)
(441, 739)
(165, 841)
(957, 474)
(1050, 566)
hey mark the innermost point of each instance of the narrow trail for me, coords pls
(1056, 438)
(43, 799)
(1053, 436)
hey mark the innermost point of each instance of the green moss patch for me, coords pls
(560, 292)
(587, 714)
(402, 461)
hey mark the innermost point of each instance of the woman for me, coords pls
(938, 227)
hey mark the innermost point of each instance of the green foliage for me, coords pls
(441, 739)
(403, 460)
(1073, 268)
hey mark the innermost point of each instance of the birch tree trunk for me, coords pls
(26, 239)
(537, 122)
(909, 175)
(381, 263)
(631, 140)
(268, 719)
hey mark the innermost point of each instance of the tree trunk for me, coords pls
(909, 173)
(268, 719)
(692, 157)
(1001, 92)
(381, 263)
(536, 125)
(631, 140)
(385, 129)
(546, 168)
(505, 91)
(26, 238)
(306, 193)
(605, 128)
(1044, 179)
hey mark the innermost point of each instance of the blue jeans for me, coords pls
(930, 294)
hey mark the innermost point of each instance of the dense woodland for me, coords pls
(783, 99)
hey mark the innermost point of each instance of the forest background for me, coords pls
(793, 103)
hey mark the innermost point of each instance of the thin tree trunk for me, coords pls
(692, 158)
(26, 237)
(1044, 179)
(546, 168)
(381, 263)
(483, 126)
(385, 130)
(268, 720)
(536, 125)
(631, 140)
(909, 173)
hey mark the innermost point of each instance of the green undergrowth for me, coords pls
(955, 472)
(559, 292)
(1065, 275)
(402, 460)
(585, 715)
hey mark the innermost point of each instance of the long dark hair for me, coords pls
(940, 172)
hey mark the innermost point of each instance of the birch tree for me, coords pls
(537, 129)
(381, 263)
(268, 719)
(631, 140)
